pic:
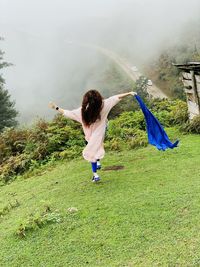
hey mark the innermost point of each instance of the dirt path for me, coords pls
(153, 90)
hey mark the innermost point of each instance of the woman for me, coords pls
(93, 117)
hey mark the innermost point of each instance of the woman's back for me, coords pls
(100, 124)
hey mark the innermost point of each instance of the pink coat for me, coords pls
(94, 134)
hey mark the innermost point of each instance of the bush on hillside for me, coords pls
(23, 149)
(169, 112)
(193, 126)
(128, 130)
(133, 120)
(27, 149)
(139, 141)
(115, 144)
(12, 142)
(179, 113)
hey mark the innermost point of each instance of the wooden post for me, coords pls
(197, 100)
(191, 81)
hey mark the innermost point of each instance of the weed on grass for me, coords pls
(10, 206)
(37, 221)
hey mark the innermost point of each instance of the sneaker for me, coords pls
(95, 179)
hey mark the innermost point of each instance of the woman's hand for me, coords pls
(126, 94)
(52, 105)
(133, 93)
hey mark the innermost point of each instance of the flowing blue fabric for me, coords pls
(156, 134)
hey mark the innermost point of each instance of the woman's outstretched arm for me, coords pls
(54, 106)
(74, 114)
(126, 94)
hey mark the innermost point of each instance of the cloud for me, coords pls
(47, 68)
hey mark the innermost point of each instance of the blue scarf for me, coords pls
(156, 134)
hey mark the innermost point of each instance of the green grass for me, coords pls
(147, 214)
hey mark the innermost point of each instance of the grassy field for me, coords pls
(146, 214)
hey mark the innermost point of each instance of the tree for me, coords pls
(8, 112)
(141, 87)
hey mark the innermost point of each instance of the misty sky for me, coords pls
(46, 68)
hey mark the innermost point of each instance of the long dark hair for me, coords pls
(92, 105)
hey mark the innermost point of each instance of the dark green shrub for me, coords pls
(26, 149)
(127, 120)
(141, 87)
(61, 138)
(38, 141)
(179, 113)
(114, 130)
(114, 144)
(12, 142)
(169, 112)
(71, 153)
(132, 119)
(45, 142)
(63, 133)
(14, 165)
(163, 117)
(140, 141)
(137, 138)
(193, 126)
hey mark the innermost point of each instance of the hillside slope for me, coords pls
(146, 214)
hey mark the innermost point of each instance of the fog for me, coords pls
(44, 41)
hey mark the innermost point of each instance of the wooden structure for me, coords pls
(191, 80)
